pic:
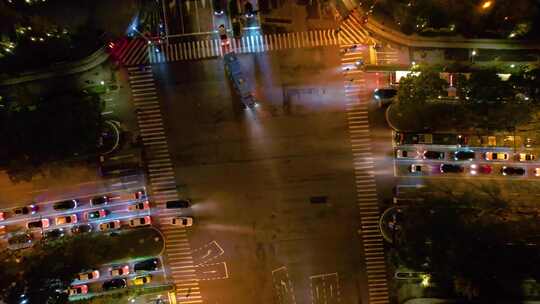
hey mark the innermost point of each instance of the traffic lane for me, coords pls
(124, 216)
(46, 208)
(478, 151)
(472, 169)
(117, 207)
(95, 287)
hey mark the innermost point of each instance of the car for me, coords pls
(30, 209)
(183, 221)
(54, 234)
(20, 241)
(483, 169)
(114, 284)
(432, 155)
(66, 205)
(112, 225)
(96, 214)
(139, 206)
(181, 203)
(526, 157)
(3, 230)
(384, 96)
(496, 156)
(464, 155)
(100, 200)
(146, 265)
(451, 168)
(2, 216)
(88, 275)
(536, 171)
(77, 289)
(418, 168)
(66, 219)
(141, 280)
(219, 7)
(119, 270)
(512, 171)
(140, 221)
(39, 224)
(248, 9)
(82, 228)
(410, 154)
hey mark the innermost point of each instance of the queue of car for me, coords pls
(119, 276)
(466, 155)
(54, 228)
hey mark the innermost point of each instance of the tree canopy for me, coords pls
(465, 237)
(56, 127)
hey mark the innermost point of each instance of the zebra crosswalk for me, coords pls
(162, 183)
(139, 51)
(357, 114)
(351, 31)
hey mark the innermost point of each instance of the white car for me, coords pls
(139, 206)
(407, 153)
(536, 171)
(526, 157)
(39, 224)
(109, 225)
(418, 168)
(183, 221)
(140, 221)
(88, 275)
(77, 289)
(496, 156)
(66, 219)
(119, 270)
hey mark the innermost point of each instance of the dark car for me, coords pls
(451, 168)
(54, 234)
(66, 205)
(384, 96)
(219, 7)
(82, 228)
(30, 209)
(248, 9)
(464, 155)
(114, 284)
(146, 265)
(433, 155)
(99, 200)
(512, 171)
(182, 203)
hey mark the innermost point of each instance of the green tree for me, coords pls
(416, 90)
(57, 127)
(486, 86)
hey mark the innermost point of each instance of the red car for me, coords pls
(482, 169)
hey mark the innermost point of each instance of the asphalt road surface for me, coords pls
(252, 174)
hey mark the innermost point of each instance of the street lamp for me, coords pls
(486, 5)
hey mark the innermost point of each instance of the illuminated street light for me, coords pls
(473, 52)
(486, 5)
(426, 278)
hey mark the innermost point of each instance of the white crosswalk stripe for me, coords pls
(363, 161)
(190, 50)
(352, 31)
(162, 182)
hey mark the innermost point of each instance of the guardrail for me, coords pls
(59, 69)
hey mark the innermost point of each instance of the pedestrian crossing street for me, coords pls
(139, 51)
(357, 99)
(178, 254)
